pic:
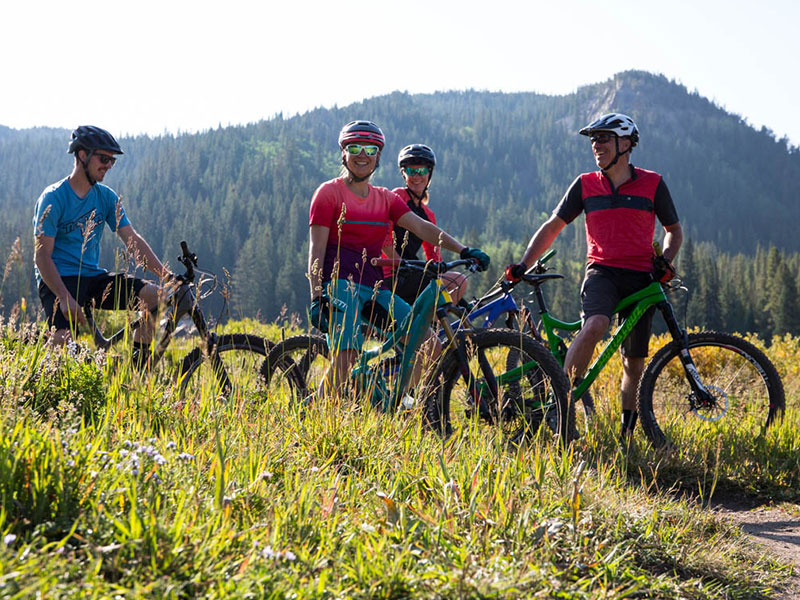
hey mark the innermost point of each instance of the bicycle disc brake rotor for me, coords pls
(715, 411)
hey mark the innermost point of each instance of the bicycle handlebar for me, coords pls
(188, 260)
(422, 265)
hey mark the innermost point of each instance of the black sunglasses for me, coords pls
(602, 138)
(105, 159)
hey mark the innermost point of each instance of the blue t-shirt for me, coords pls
(77, 225)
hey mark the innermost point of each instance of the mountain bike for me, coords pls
(498, 305)
(472, 379)
(705, 375)
(233, 360)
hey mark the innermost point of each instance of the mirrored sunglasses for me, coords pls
(355, 149)
(411, 171)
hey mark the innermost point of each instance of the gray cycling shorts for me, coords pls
(603, 288)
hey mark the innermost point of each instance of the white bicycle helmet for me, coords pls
(617, 123)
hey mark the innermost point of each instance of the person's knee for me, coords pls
(148, 295)
(60, 337)
(432, 343)
(633, 366)
(595, 327)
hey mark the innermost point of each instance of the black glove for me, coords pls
(514, 272)
(318, 314)
(663, 270)
(478, 255)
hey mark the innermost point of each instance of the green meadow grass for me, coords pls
(114, 486)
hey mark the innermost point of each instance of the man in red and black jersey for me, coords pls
(621, 203)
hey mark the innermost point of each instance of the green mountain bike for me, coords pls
(703, 376)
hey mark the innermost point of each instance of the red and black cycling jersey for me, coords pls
(620, 223)
(409, 248)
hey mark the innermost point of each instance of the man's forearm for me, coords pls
(672, 243)
(141, 249)
(542, 240)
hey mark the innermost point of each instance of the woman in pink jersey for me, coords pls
(349, 220)
(416, 162)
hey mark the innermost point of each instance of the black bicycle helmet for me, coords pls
(416, 154)
(90, 138)
(361, 132)
(616, 123)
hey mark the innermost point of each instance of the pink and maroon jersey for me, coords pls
(358, 227)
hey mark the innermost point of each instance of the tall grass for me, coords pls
(114, 486)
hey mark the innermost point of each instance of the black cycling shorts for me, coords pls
(110, 291)
(603, 288)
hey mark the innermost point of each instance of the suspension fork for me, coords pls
(459, 341)
(681, 340)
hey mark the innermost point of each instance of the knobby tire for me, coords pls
(250, 351)
(522, 406)
(731, 368)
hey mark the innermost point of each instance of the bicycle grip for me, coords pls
(385, 262)
(185, 248)
(547, 255)
(657, 248)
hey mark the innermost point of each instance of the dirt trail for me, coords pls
(776, 529)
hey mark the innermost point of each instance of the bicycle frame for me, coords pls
(434, 300)
(493, 310)
(182, 302)
(641, 301)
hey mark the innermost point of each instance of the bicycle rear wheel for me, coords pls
(233, 366)
(295, 368)
(746, 389)
(519, 400)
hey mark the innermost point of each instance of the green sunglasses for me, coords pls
(411, 171)
(355, 149)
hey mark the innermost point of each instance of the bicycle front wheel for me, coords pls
(745, 389)
(231, 369)
(520, 400)
(295, 368)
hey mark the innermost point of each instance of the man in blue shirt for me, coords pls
(68, 225)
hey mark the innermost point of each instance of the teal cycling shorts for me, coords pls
(353, 304)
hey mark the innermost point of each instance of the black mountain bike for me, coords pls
(233, 359)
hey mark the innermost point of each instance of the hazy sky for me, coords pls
(177, 65)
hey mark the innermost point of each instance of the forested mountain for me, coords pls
(240, 195)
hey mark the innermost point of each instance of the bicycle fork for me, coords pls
(458, 341)
(700, 395)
